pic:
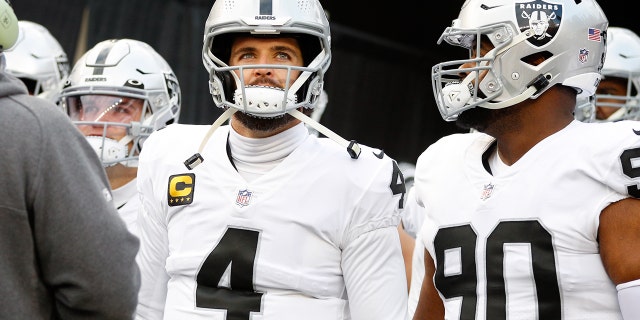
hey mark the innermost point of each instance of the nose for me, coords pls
(262, 72)
(91, 129)
(464, 69)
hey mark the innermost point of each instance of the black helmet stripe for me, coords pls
(102, 58)
(266, 7)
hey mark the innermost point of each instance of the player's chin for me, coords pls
(258, 123)
(474, 118)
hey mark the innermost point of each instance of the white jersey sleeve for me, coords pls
(315, 238)
(523, 242)
(417, 275)
(412, 215)
(412, 218)
(127, 202)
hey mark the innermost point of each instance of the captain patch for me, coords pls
(180, 190)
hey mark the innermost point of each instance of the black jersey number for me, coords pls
(626, 159)
(237, 247)
(464, 284)
(397, 184)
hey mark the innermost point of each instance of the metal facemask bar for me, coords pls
(455, 94)
(136, 132)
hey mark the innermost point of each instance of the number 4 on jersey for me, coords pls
(237, 248)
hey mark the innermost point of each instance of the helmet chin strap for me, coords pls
(509, 102)
(353, 148)
(197, 158)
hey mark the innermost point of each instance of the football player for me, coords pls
(536, 215)
(618, 94)
(258, 218)
(117, 94)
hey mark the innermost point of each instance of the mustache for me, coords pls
(268, 82)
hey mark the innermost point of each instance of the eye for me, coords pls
(283, 56)
(87, 109)
(246, 56)
(125, 106)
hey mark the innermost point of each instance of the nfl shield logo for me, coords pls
(243, 198)
(486, 191)
(584, 55)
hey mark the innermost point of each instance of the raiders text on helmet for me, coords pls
(570, 36)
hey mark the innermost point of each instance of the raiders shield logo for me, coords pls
(542, 17)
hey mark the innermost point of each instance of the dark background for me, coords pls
(378, 84)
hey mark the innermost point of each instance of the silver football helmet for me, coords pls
(623, 61)
(38, 60)
(118, 93)
(571, 35)
(305, 19)
(10, 30)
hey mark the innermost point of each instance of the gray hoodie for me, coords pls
(64, 251)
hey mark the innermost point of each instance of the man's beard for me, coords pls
(480, 119)
(475, 118)
(263, 124)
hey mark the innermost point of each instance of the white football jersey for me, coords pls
(412, 219)
(417, 276)
(127, 202)
(315, 238)
(412, 215)
(522, 243)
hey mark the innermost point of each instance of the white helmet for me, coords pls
(569, 35)
(109, 78)
(305, 19)
(8, 27)
(623, 61)
(38, 60)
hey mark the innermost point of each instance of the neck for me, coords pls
(254, 157)
(531, 121)
(120, 175)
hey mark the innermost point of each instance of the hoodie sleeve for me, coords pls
(86, 253)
